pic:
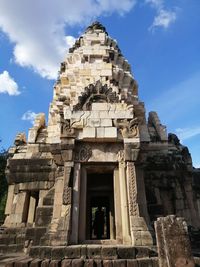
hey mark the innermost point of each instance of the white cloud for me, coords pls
(164, 17)
(38, 28)
(8, 84)
(29, 116)
(187, 133)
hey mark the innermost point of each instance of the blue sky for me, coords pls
(160, 39)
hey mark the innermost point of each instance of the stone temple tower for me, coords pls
(98, 172)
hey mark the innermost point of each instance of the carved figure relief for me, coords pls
(83, 153)
(96, 93)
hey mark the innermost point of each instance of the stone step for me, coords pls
(150, 262)
(91, 252)
(4, 249)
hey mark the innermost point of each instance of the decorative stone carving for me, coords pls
(83, 153)
(128, 128)
(96, 26)
(66, 130)
(96, 93)
(133, 207)
(121, 156)
(67, 190)
(20, 139)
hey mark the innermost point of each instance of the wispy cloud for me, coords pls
(8, 84)
(187, 133)
(164, 18)
(29, 116)
(178, 102)
(37, 28)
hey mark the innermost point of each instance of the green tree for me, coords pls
(3, 183)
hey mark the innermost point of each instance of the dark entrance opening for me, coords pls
(100, 206)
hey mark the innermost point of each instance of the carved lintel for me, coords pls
(83, 153)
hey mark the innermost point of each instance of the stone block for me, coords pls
(132, 263)
(109, 252)
(35, 263)
(77, 263)
(89, 133)
(66, 263)
(119, 263)
(23, 263)
(84, 251)
(45, 263)
(93, 122)
(98, 263)
(110, 132)
(34, 252)
(72, 252)
(58, 253)
(100, 132)
(104, 114)
(155, 262)
(89, 263)
(106, 123)
(94, 252)
(174, 248)
(66, 155)
(100, 106)
(45, 252)
(126, 252)
(145, 263)
(55, 263)
(43, 215)
(10, 264)
(107, 263)
(142, 252)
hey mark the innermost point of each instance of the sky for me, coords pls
(159, 38)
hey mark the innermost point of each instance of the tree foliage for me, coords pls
(3, 183)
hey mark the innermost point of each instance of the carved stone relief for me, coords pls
(133, 207)
(96, 93)
(128, 128)
(83, 153)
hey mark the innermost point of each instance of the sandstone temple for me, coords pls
(88, 185)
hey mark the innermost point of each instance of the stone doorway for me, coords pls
(100, 219)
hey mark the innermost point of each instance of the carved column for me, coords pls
(140, 234)
(75, 204)
(117, 201)
(124, 200)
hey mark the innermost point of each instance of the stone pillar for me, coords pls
(31, 210)
(75, 204)
(174, 249)
(124, 202)
(9, 202)
(57, 207)
(138, 215)
(117, 201)
(83, 201)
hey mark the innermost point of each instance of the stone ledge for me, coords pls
(107, 252)
(83, 263)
